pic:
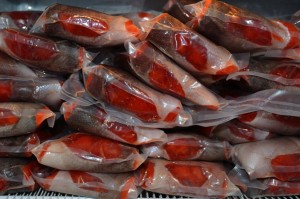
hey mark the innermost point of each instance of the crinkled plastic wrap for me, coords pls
(11, 67)
(84, 26)
(19, 19)
(279, 102)
(43, 53)
(237, 29)
(292, 55)
(19, 118)
(236, 132)
(126, 94)
(280, 124)
(188, 146)
(277, 157)
(86, 152)
(190, 50)
(15, 175)
(25, 89)
(96, 185)
(186, 178)
(158, 71)
(261, 75)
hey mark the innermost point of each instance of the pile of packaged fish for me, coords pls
(200, 101)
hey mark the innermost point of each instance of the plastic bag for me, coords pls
(43, 53)
(10, 67)
(292, 55)
(261, 75)
(85, 152)
(93, 119)
(138, 17)
(158, 71)
(84, 26)
(262, 187)
(125, 93)
(95, 185)
(278, 157)
(22, 118)
(40, 90)
(236, 132)
(187, 146)
(279, 124)
(186, 178)
(237, 29)
(15, 175)
(279, 102)
(19, 19)
(190, 50)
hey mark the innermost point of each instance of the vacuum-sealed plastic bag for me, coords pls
(190, 50)
(186, 178)
(96, 185)
(23, 89)
(18, 118)
(15, 175)
(84, 26)
(188, 146)
(158, 71)
(125, 93)
(138, 17)
(279, 124)
(10, 67)
(94, 119)
(277, 157)
(86, 152)
(43, 53)
(19, 19)
(236, 132)
(261, 75)
(236, 29)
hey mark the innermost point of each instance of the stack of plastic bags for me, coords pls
(199, 101)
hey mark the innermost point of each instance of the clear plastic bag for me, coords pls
(188, 146)
(262, 74)
(19, 118)
(84, 26)
(279, 102)
(19, 19)
(128, 96)
(279, 124)
(277, 157)
(190, 50)
(186, 178)
(96, 185)
(43, 53)
(158, 71)
(23, 89)
(237, 29)
(10, 67)
(236, 132)
(86, 152)
(15, 175)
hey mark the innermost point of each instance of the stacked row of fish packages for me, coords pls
(119, 105)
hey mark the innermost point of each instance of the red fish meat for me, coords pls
(190, 50)
(85, 26)
(43, 53)
(186, 178)
(161, 73)
(19, 19)
(85, 152)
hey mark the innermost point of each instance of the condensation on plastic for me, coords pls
(86, 152)
(277, 157)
